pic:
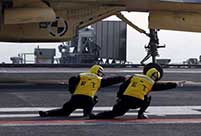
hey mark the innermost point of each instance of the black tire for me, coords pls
(153, 65)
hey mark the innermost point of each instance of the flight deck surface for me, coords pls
(172, 112)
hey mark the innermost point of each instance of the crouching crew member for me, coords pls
(133, 93)
(83, 89)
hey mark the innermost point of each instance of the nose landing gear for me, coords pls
(152, 47)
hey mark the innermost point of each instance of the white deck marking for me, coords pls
(152, 110)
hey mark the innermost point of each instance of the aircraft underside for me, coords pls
(54, 21)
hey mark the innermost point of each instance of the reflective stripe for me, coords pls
(89, 84)
(140, 85)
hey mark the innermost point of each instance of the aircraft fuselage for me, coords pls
(59, 20)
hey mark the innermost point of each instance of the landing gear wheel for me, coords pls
(153, 65)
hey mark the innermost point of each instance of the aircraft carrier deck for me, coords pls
(172, 112)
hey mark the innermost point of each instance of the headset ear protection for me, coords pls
(97, 69)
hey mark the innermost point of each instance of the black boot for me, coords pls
(147, 101)
(43, 113)
(142, 116)
(92, 116)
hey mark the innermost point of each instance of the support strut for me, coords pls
(123, 18)
(152, 47)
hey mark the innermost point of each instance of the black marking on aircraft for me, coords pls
(58, 27)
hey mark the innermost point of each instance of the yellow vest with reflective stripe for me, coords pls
(140, 85)
(88, 85)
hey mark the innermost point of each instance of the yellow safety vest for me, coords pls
(140, 85)
(88, 85)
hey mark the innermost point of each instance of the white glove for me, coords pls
(181, 83)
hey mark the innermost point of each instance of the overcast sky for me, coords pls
(179, 45)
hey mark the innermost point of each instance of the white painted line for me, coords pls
(152, 110)
(31, 115)
(37, 115)
(26, 109)
(18, 115)
(31, 109)
(174, 110)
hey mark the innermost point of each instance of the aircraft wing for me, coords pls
(180, 15)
